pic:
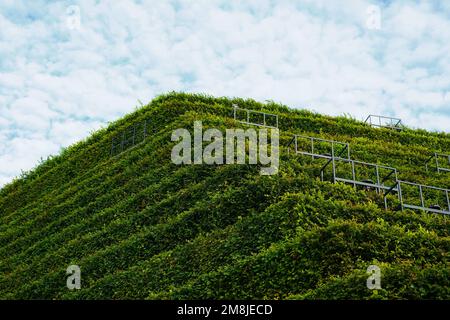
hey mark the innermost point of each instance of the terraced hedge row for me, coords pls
(141, 227)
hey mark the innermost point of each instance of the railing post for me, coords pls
(312, 148)
(353, 174)
(437, 162)
(378, 178)
(264, 119)
(400, 194)
(334, 164)
(422, 202)
(448, 200)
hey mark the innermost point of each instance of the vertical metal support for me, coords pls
(378, 178)
(448, 200)
(264, 119)
(312, 147)
(276, 117)
(353, 174)
(400, 195)
(437, 161)
(334, 164)
(348, 151)
(422, 202)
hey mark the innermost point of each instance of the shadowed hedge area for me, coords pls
(141, 227)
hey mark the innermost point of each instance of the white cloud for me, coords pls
(70, 131)
(24, 153)
(313, 53)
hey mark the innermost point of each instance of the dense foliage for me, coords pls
(141, 227)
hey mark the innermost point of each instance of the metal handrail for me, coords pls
(121, 139)
(315, 139)
(392, 126)
(422, 207)
(379, 183)
(248, 111)
(436, 156)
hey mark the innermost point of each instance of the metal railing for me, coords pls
(436, 157)
(376, 121)
(344, 147)
(131, 136)
(380, 177)
(435, 207)
(340, 152)
(248, 115)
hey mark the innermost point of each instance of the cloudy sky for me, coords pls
(69, 67)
